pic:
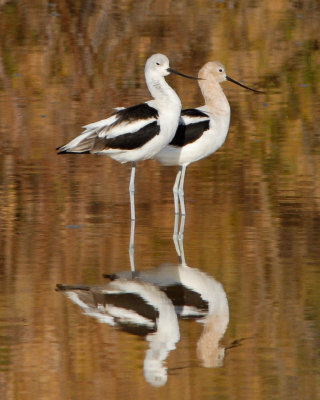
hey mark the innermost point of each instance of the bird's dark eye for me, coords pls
(158, 63)
(220, 70)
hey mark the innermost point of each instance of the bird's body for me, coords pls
(194, 294)
(130, 134)
(201, 131)
(138, 132)
(136, 307)
(194, 138)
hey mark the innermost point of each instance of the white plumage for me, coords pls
(202, 130)
(139, 132)
(137, 307)
(194, 294)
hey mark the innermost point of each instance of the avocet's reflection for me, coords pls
(136, 307)
(148, 303)
(195, 294)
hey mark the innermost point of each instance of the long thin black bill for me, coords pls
(240, 84)
(179, 73)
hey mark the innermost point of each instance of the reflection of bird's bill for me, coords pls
(173, 71)
(237, 342)
(172, 370)
(244, 86)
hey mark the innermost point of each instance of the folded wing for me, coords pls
(126, 129)
(193, 123)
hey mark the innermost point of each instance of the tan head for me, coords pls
(214, 72)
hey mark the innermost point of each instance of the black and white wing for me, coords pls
(126, 129)
(131, 306)
(193, 123)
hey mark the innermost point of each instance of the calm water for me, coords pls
(253, 208)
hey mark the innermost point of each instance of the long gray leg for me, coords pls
(131, 245)
(180, 240)
(178, 236)
(131, 191)
(181, 191)
(176, 192)
(175, 235)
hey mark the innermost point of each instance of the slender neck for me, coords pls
(160, 90)
(215, 100)
(215, 325)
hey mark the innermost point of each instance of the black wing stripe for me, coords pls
(128, 301)
(183, 296)
(128, 141)
(187, 134)
(140, 111)
(193, 112)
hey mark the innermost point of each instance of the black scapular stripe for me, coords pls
(183, 296)
(128, 301)
(187, 134)
(128, 141)
(193, 112)
(140, 111)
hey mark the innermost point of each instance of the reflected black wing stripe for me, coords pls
(128, 301)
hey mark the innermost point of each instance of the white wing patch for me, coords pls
(193, 119)
(124, 127)
(100, 124)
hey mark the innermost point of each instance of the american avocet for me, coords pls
(136, 307)
(202, 130)
(194, 294)
(139, 132)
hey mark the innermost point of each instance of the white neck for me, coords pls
(161, 91)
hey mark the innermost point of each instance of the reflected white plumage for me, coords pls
(136, 307)
(202, 130)
(194, 294)
(139, 132)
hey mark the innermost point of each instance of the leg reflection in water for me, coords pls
(195, 294)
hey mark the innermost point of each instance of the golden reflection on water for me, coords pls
(253, 207)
